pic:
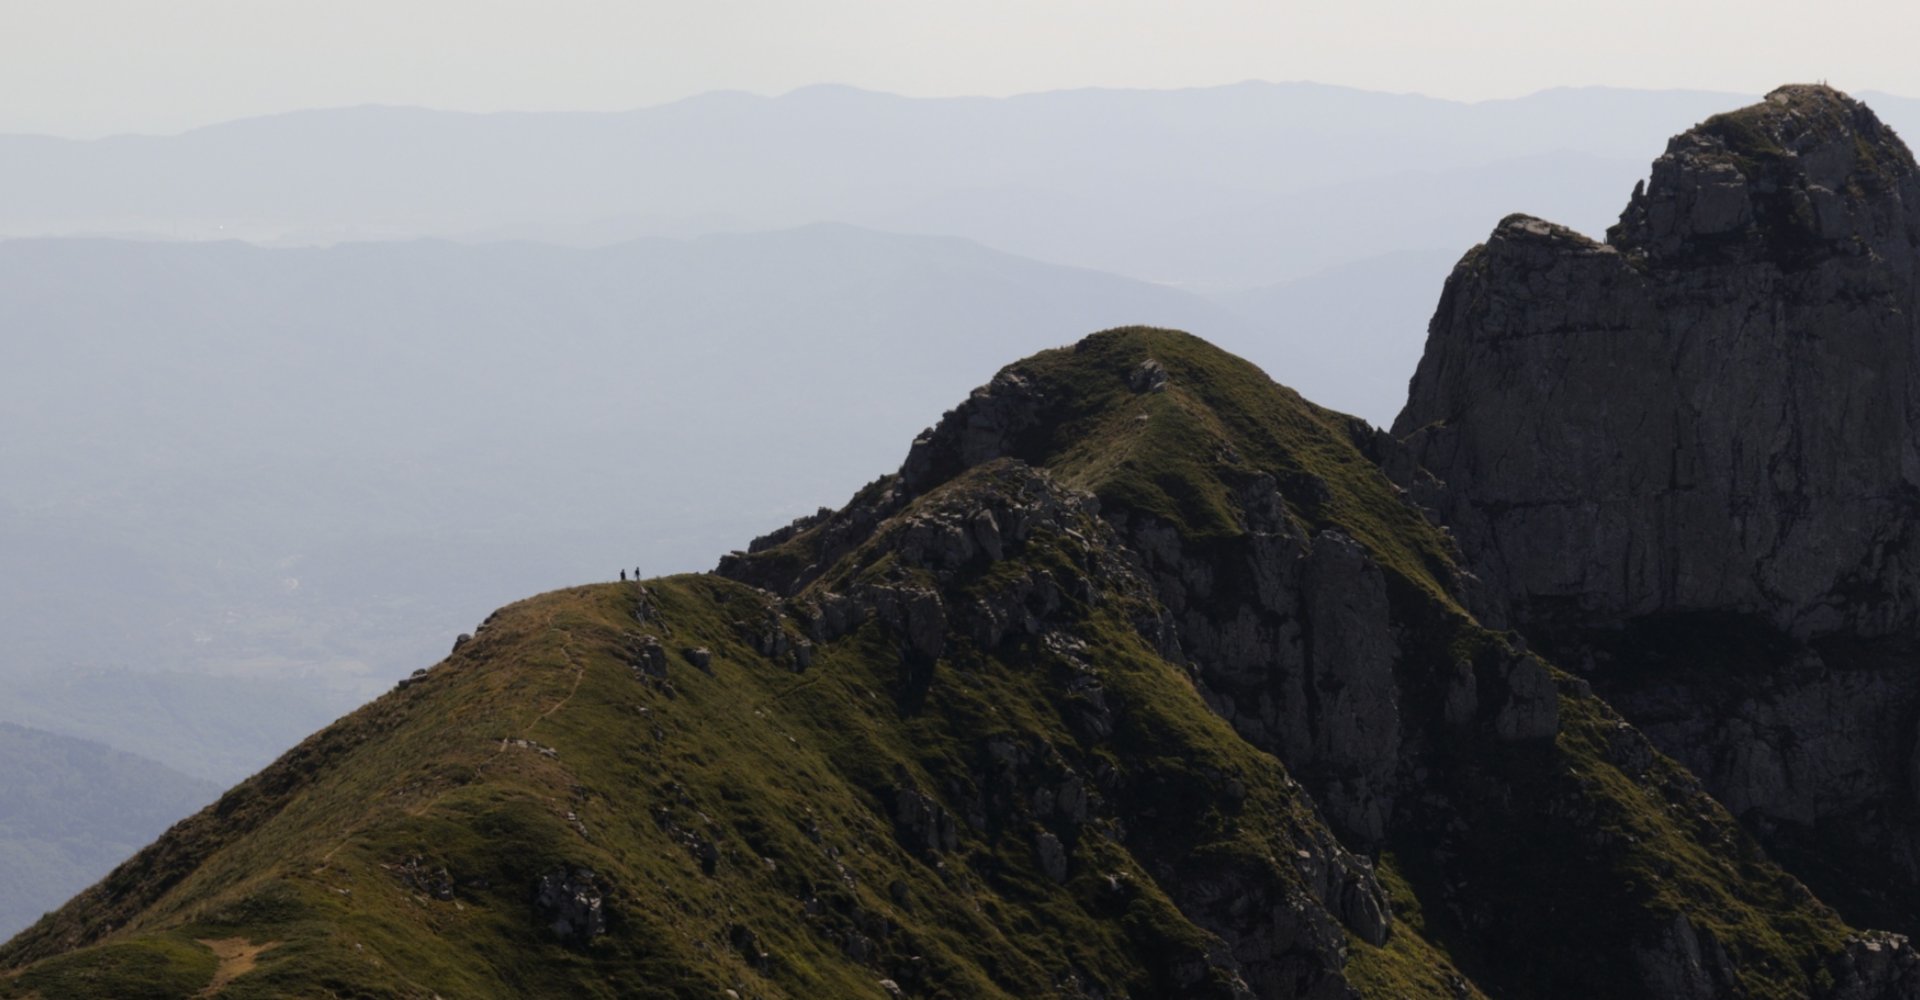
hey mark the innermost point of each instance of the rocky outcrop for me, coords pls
(1686, 460)
(570, 903)
(1876, 966)
(1717, 408)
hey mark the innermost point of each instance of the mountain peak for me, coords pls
(1160, 425)
(1805, 174)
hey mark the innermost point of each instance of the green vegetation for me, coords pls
(780, 773)
(154, 967)
(1219, 422)
(1749, 143)
(1591, 845)
(1410, 964)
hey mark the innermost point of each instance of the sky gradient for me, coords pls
(92, 67)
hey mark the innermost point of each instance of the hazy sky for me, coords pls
(86, 67)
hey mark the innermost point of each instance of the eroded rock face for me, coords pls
(1685, 963)
(1281, 933)
(1877, 966)
(1352, 655)
(1687, 461)
(1718, 407)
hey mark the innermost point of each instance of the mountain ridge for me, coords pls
(831, 88)
(992, 694)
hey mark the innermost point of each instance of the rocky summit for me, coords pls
(1714, 409)
(1687, 461)
(1145, 677)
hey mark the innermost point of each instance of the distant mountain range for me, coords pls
(1215, 187)
(70, 810)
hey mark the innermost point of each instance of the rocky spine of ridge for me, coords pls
(1278, 942)
(1687, 459)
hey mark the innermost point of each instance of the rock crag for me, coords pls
(1686, 460)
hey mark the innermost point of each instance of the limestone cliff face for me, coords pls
(1687, 458)
(1714, 409)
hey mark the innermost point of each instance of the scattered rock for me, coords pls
(526, 744)
(1151, 376)
(569, 903)
(432, 881)
(1051, 855)
(921, 823)
(747, 943)
(647, 657)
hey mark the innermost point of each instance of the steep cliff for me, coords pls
(1685, 461)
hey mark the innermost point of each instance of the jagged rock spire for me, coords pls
(1718, 407)
(1806, 175)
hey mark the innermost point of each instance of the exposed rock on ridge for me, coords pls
(1258, 556)
(1687, 460)
(1718, 408)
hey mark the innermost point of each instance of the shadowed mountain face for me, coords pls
(1689, 458)
(1140, 678)
(70, 810)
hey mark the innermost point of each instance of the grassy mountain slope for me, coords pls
(744, 799)
(983, 733)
